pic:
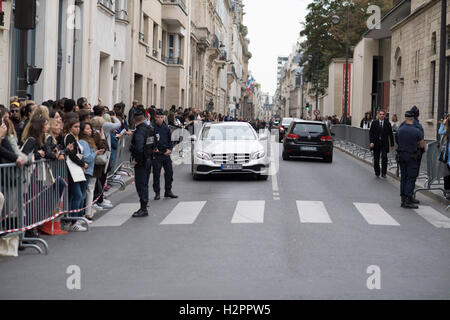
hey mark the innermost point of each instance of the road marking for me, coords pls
(374, 214)
(313, 212)
(249, 212)
(276, 195)
(434, 217)
(116, 216)
(186, 212)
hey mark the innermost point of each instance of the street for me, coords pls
(310, 234)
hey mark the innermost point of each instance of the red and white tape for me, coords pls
(58, 214)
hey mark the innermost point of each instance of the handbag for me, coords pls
(102, 160)
(75, 170)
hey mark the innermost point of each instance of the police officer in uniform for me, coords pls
(162, 151)
(141, 149)
(410, 139)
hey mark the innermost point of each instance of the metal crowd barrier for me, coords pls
(34, 195)
(433, 168)
(122, 161)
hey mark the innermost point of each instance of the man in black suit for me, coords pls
(381, 137)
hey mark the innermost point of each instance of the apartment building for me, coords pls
(160, 52)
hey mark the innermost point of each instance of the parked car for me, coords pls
(308, 139)
(229, 148)
(283, 127)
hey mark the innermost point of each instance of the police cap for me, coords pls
(415, 111)
(409, 114)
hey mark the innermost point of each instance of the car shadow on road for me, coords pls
(229, 177)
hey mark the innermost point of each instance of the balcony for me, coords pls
(174, 12)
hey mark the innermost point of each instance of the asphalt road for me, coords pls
(313, 231)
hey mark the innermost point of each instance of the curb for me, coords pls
(426, 193)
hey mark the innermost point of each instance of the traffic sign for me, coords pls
(316, 112)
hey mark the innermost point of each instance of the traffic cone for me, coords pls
(53, 228)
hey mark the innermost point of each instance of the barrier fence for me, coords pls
(357, 141)
(36, 196)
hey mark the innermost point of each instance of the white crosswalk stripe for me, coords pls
(374, 214)
(249, 212)
(313, 212)
(253, 212)
(116, 216)
(186, 212)
(434, 217)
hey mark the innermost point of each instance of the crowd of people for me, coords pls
(61, 130)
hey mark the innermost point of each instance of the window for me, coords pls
(141, 34)
(433, 43)
(155, 39)
(416, 65)
(146, 29)
(171, 52)
(448, 37)
(433, 85)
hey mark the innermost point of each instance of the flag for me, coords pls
(250, 85)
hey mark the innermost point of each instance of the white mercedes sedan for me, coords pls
(229, 148)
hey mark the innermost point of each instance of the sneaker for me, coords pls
(77, 227)
(106, 201)
(106, 205)
(97, 207)
(89, 219)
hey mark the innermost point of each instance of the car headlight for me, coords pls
(203, 155)
(258, 155)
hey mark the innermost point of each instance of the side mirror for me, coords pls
(193, 138)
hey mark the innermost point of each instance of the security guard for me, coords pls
(141, 149)
(410, 139)
(162, 151)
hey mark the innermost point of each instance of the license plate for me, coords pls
(232, 167)
(308, 148)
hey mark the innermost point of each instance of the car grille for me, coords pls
(231, 158)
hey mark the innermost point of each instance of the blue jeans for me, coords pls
(75, 197)
(83, 189)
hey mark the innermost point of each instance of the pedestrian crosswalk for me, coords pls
(253, 212)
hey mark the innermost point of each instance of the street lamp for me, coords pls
(335, 20)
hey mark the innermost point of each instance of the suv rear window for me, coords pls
(307, 128)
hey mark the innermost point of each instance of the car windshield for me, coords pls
(228, 133)
(287, 121)
(303, 128)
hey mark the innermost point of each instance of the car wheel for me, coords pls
(329, 159)
(285, 156)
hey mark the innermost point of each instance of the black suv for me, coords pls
(308, 139)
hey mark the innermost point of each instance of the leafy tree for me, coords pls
(325, 40)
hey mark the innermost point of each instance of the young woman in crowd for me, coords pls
(72, 130)
(99, 170)
(90, 153)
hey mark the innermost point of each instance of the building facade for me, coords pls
(159, 52)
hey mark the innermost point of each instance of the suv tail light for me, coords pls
(292, 136)
(326, 138)
(281, 128)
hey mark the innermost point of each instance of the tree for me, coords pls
(325, 40)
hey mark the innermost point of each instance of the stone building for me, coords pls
(415, 62)
(188, 53)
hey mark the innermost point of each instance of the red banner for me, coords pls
(349, 88)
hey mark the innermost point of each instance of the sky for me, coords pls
(273, 29)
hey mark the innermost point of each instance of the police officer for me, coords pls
(163, 149)
(142, 145)
(410, 139)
